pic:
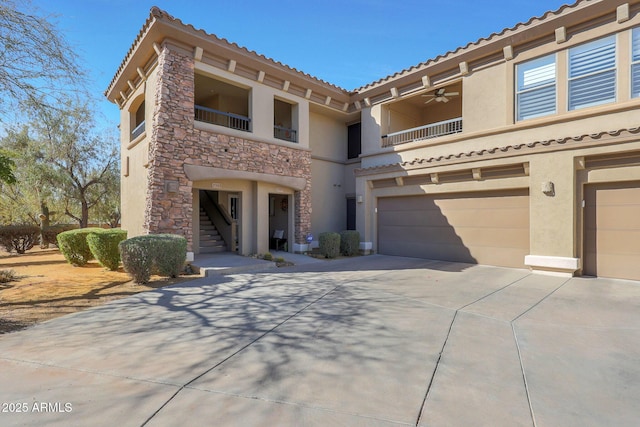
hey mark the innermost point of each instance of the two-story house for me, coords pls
(521, 149)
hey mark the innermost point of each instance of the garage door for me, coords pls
(612, 230)
(489, 228)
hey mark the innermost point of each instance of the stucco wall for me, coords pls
(134, 156)
(485, 103)
(328, 195)
(400, 116)
(328, 138)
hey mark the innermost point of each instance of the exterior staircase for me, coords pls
(210, 240)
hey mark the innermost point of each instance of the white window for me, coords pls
(536, 88)
(592, 73)
(635, 63)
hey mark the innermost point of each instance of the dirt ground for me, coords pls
(49, 287)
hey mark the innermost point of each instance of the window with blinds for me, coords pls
(536, 88)
(635, 63)
(592, 73)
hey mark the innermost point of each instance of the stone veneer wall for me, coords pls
(174, 142)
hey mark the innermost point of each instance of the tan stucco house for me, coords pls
(521, 149)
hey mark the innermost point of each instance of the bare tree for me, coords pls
(36, 62)
(82, 164)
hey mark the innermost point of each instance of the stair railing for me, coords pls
(223, 222)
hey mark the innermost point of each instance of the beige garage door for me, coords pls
(489, 228)
(612, 230)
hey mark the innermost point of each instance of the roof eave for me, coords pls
(524, 32)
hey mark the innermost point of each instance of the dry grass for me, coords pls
(48, 287)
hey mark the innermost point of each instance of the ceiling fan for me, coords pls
(440, 95)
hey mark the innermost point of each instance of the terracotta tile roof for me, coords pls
(509, 149)
(127, 57)
(157, 14)
(533, 20)
(161, 15)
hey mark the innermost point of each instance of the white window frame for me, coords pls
(585, 76)
(520, 88)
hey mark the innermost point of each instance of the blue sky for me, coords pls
(348, 43)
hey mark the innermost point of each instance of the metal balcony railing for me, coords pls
(432, 130)
(285, 133)
(230, 120)
(139, 130)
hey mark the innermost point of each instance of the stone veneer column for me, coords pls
(302, 200)
(169, 197)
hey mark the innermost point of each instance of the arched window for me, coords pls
(137, 121)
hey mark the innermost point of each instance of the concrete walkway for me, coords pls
(230, 263)
(370, 341)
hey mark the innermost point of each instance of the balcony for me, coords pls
(425, 115)
(285, 134)
(229, 120)
(284, 119)
(432, 130)
(221, 103)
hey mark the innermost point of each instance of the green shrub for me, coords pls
(136, 258)
(104, 246)
(162, 254)
(19, 238)
(169, 254)
(50, 234)
(329, 244)
(350, 243)
(73, 245)
(278, 259)
(267, 256)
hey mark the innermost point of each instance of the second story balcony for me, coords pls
(432, 130)
(220, 103)
(424, 116)
(285, 133)
(220, 118)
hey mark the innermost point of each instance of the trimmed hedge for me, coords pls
(329, 244)
(349, 242)
(162, 254)
(19, 238)
(136, 258)
(104, 246)
(169, 254)
(73, 245)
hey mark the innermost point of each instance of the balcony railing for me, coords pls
(432, 130)
(230, 120)
(139, 130)
(285, 133)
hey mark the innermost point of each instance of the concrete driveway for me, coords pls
(373, 341)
